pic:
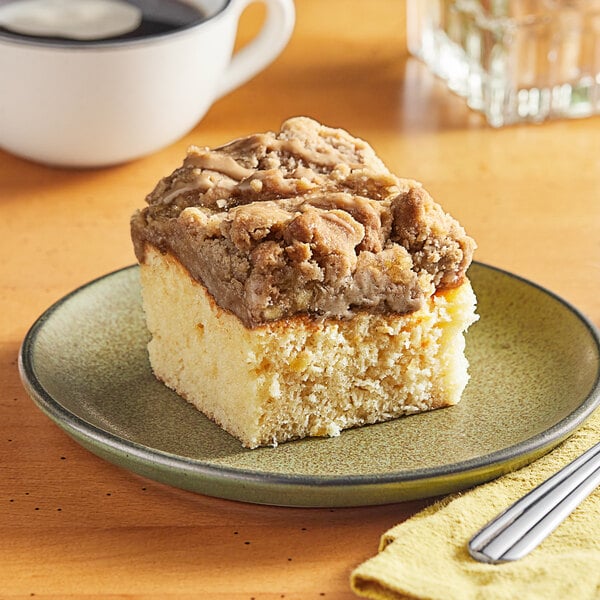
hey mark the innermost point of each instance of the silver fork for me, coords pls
(520, 528)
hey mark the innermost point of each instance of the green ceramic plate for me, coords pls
(535, 364)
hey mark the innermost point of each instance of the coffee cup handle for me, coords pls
(264, 48)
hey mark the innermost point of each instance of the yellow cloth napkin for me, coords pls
(426, 557)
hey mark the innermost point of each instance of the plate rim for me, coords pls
(78, 427)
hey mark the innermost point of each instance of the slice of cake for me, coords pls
(294, 287)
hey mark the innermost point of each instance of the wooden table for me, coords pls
(73, 526)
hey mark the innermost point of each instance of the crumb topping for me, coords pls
(305, 220)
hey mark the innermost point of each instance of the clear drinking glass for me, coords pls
(513, 60)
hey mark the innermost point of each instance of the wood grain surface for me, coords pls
(73, 526)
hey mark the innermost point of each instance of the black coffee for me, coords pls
(155, 17)
(163, 16)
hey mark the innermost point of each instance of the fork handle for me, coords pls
(521, 527)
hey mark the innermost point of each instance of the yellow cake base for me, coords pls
(300, 377)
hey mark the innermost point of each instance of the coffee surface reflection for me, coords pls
(93, 21)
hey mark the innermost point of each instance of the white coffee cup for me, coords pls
(96, 103)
